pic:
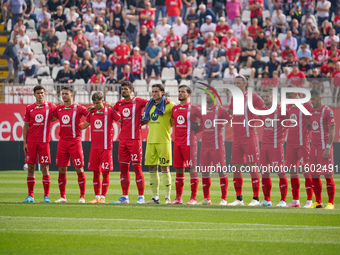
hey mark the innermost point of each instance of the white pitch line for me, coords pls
(173, 222)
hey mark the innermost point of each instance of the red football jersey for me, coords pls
(325, 69)
(184, 115)
(131, 113)
(320, 120)
(226, 42)
(244, 130)
(296, 79)
(212, 135)
(258, 11)
(183, 67)
(336, 55)
(148, 23)
(231, 54)
(101, 127)
(136, 64)
(223, 29)
(284, 54)
(70, 117)
(171, 41)
(320, 55)
(122, 51)
(298, 135)
(39, 119)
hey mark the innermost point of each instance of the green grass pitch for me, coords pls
(159, 229)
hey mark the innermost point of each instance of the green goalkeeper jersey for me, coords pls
(160, 126)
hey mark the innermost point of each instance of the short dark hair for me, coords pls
(187, 88)
(69, 88)
(315, 92)
(38, 87)
(97, 96)
(127, 84)
(160, 86)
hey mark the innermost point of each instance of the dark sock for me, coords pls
(239, 198)
(256, 198)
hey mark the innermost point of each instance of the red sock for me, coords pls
(179, 185)
(330, 189)
(46, 180)
(238, 183)
(255, 181)
(295, 182)
(137, 167)
(194, 184)
(125, 178)
(96, 182)
(308, 186)
(283, 183)
(62, 184)
(317, 188)
(106, 182)
(266, 186)
(82, 183)
(206, 183)
(224, 186)
(30, 185)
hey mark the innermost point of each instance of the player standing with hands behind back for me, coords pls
(36, 134)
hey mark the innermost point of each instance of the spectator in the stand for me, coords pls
(231, 74)
(187, 4)
(207, 27)
(16, 8)
(53, 56)
(126, 75)
(239, 28)
(118, 27)
(192, 35)
(153, 53)
(136, 63)
(111, 5)
(295, 12)
(273, 64)
(64, 76)
(51, 39)
(160, 8)
(79, 40)
(296, 77)
(22, 36)
(74, 65)
(82, 6)
(258, 67)
(296, 30)
(289, 40)
(111, 42)
(336, 22)
(30, 67)
(261, 43)
(52, 6)
(247, 55)
(147, 17)
(328, 68)
(315, 39)
(286, 52)
(59, 19)
(98, 6)
(279, 21)
(77, 26)
(19, 25)
(45, 28)
(172, 38)
(204, 12)
(307, 16)
(315, 79)
(221, 29)
(133, 25)
(325, 28)
(96, 80)
(41, 15)
(67, 49)
(243, 41)
(303, 52)
(13, 62)
(183, 68)
(180, 28)
(104, 65)
(308, 30)
(89, 20)
(334, 52)
(96, 40)
(274, 45)
(192, 54)
(155, 35)
(71, 18)
(29, 13)
(211, 52)
(254, 28)
(174, 54)
(192, 16)
(4, 11)
(320, 55)
(143, 39)
(174, 9)
(210, 38)
(284, 75)
(121, 55)
(331, 39)
(290, 61)
(141, 5)
(103, 26)
(165, 53)
(304, 66)
(164, 27)
(23, 50)
(232, 56)
(213, 69)
(255, 7)
(269, 29)
(335, 84)
(322, 11)
(233, 8)
(87, 67)
(111, 79)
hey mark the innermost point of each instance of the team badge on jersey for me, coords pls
(39, 118)
(180, 120)
(154, 116)
(315, 125)
(126, 112)
(98, 124)
(65, 119)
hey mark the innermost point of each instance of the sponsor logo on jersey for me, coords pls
(208, 123)
(315, 125)
(65, 119)
(98, 124)
(39, 118)
(126, 112)
(154, 116)
(180, 120)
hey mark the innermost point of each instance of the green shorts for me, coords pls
(158, 154)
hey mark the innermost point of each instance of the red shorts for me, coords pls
(297, 155)
(130, 150)
(318, 165)
(212, 157)
(67, 149)
(245, 150)
(185, 155)
(43, 149)
(270, 156)
(100, 160)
